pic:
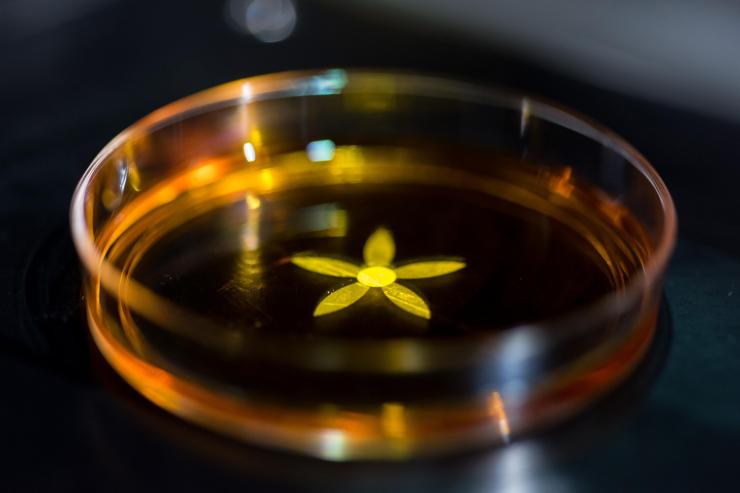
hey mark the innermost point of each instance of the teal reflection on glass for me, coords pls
(329, 82)
(321, 150)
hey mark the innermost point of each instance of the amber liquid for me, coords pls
(216, 243)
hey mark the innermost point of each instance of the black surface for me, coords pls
(69, 424)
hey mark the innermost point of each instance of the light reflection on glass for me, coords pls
(247, 92)
(113, 192)
(328, 83)
(512, 471)
(498, 412)
(134, 179)
(332, 444)
(525, 115)
(249, 153)
(321, 150)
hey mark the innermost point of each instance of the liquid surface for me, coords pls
(375, 244)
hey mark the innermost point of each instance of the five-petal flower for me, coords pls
(376, 273)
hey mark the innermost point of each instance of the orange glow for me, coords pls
(268, 180)
(204, 174)
(562, 185)
(255, 136)
(498, 413)
(394, 420)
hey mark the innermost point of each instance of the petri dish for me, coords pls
(359, 265)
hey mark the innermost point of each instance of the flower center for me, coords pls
(376, 276)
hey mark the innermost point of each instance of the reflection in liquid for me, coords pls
(324, 220)
(252, 225)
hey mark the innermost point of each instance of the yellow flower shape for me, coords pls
(376, 273)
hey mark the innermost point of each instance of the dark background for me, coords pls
(69, 83)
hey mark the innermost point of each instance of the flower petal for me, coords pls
(339, 299)
(407, 300)
(326, 266)
(379, 248)
(423, 270)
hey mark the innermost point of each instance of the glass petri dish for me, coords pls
(371, 266)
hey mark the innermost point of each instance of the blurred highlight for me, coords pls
(268, 21)
(249, 153)
(321, 150)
